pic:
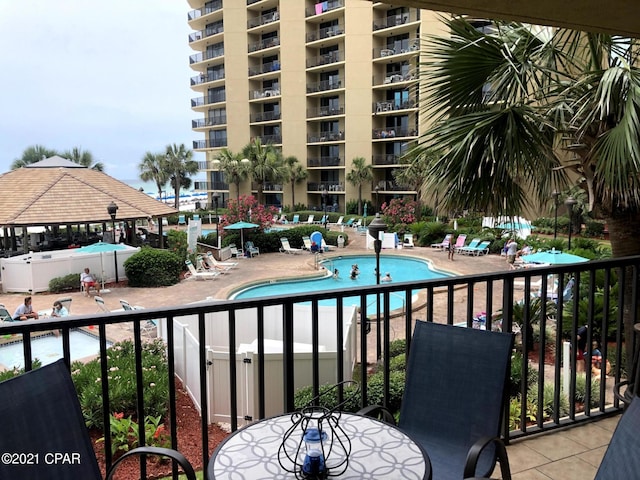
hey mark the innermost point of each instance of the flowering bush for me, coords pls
(399, 210)
(124, 433)
(247, 210)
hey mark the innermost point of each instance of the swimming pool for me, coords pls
(48, 349)
(401, 269)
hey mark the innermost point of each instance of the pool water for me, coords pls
(401, 269)
(48, 349)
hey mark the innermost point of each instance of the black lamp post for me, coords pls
(112, 209)
(570, 202)
(216, 198)
(377, 189)
(376, 230)
(324, 205)
(555, 194)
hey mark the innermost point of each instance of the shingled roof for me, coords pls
(52, 192)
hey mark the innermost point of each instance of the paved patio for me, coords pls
(573, 453)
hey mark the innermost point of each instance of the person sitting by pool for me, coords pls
(25, 311)
(386, 278)
(314, 247)
(89, 280)
(59, 310)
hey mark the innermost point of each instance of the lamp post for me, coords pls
(112, 209)
(555, 194)
(216, 198)
(376, 230)
(570, 202)
(377, 189)
(324, 205)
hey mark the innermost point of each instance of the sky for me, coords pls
(110, 77)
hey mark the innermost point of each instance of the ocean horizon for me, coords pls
(151, 188)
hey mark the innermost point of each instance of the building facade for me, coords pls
(322, 81)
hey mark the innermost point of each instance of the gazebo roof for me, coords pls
(52, 192)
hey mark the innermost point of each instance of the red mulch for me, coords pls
(189, 443)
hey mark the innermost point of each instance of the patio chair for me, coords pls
(322, 221)
(41, 413)
(181, 220)
(444, 243)
(251, 249)
(459, 242)
(472, 245)
(407, 240)
(101, 306)
(310, 219)
(296, 219)
(193, 273)
(222, 267)
(287, 248)
(481, 249)
(146, 327)
(5, 316)
(454, 397)
(339, 222)
(306, 241)
(235, 251)
(349, 222)
(621, 460)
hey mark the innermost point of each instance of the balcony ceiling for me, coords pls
(615, 16)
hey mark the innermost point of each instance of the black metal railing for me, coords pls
(505, 298)
(324, 85)
(262, 44)
(264, 68)
(325, 59)
(325, 111)
(325, 162)
(324, 7)
(263, 19)
(209, 122)
(265, 116)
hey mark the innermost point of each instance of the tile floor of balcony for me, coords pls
(572, 453)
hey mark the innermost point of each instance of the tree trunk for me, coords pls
(360, 200)
(293, 196)
(624, 234)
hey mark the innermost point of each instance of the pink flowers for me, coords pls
(399, 210)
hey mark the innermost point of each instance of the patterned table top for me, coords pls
(378, 450)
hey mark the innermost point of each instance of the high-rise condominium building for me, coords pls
(324, 81)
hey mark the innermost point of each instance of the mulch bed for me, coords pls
(189, 443)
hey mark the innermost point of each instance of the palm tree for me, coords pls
(153, 169)
(32, 154)
(84, 158)
(414, 176)
(179, 166)
(266, 164)
(360, 173)
(295, 173)
(235, 168)
(518, 107)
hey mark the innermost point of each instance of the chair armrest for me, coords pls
(378, 412)
(163, 452)
(475, 451)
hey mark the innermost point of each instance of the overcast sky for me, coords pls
(111, 77)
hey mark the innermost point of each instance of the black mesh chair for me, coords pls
(455, 391)
(42, 431)
(622, 458)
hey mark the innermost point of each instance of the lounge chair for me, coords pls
(235, 251)
(349, 223)
(472, 244)
(444, 243)
(146, 327)
(296, 219)
(457, 415)
(66, 303)
(357, 224)
(306, 240)
(407, 240)
(323, 220)
(459, 242)
(102, 308)
(181, 220)
(221, 266)
(251, 249)
(310, 219)
(481, 249)
(287, 248)
(203, 266)
(339, 222)
(196, 217)
(193, 273)
(325, 247)
(41, 413)
(5, 316)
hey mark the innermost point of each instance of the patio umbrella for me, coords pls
(553, 257)
(241, 226)
(102, 248)
(364, 216)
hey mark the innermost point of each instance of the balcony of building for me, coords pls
(268, 116)
(394, 106)
(208, 79)
(263, 19)
(264, 68)
(273, 139)
(201, 60)
(211, 186)
(322, 11)
(324, 85)
(326, 111)
(207, 100)
(257, 5)
(268, 187)
(326, 136)
(261, 94)
(334, 56)
(202, 37)
(262, 45)
(400, 53)
(395, 79)
(320, 162)
(391, 133)
(389, 159)
(211, 12)
(209, 143)
(204, 123)
(317, 187)
(403, 22)
(318, 34)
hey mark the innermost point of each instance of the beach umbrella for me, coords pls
(241, 226)
(102, 248)
(364, 216)
(553, 257)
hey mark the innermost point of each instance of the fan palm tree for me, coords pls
(32, 154)
(266, 165)
(518, 107)
(84, 158)
(180, 165)
(360, 173)
(153, 168)
(295, 173)
(234, 167)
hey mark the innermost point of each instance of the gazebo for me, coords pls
(56, 192)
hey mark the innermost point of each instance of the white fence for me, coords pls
(31, 273)
(246, 357)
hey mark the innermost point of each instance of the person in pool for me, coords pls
(336, 273)
(354, 271)
(386, 278)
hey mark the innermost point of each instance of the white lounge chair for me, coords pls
(310, 219)
(407, 241)
(444, 243)
(287, 248)
(193, 273)
(306, 240)
(339, 222)
(147, 327)
(235, 251)
(220, 266)
(102, 308)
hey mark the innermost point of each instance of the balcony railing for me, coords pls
(264, 68)
(325, 59)
(328, 186)
(262, 44)
(407, 47)
(209, 122)
(325, 162)
(389, 159)
(393, 132)
(209, 77)
(265, 116)
(268, 187)
(393, 21)
(213, 329)
(264, 139)
(269, 92)
(207, 32)
(210, 8)
(263, 19)
(394, 78)
(323, 7)
(200, 144)
(207, 100)
(324, 85)
(200, 57)
(391, 105)
(325, 111)
(326, 137)
(215, 186)
(326, 32)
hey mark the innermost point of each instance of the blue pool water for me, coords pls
(48, 349)
(402, 269)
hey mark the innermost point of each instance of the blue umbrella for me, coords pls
(241, 226)
(553, 257)
(101, 247)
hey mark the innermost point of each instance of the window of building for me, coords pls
(215, 95)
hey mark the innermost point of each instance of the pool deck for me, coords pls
(574, 453)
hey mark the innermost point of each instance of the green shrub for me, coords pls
(7, 374)
(515, 384)
(515, 413)
(398, 363)
(122, 384)
(397, 347)
(581, 390)
(548, 408)
(151, 267)
(64, 284)
(375, 389)
(328, 397)
(177, 243)
(432, 232)
(594, 228)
